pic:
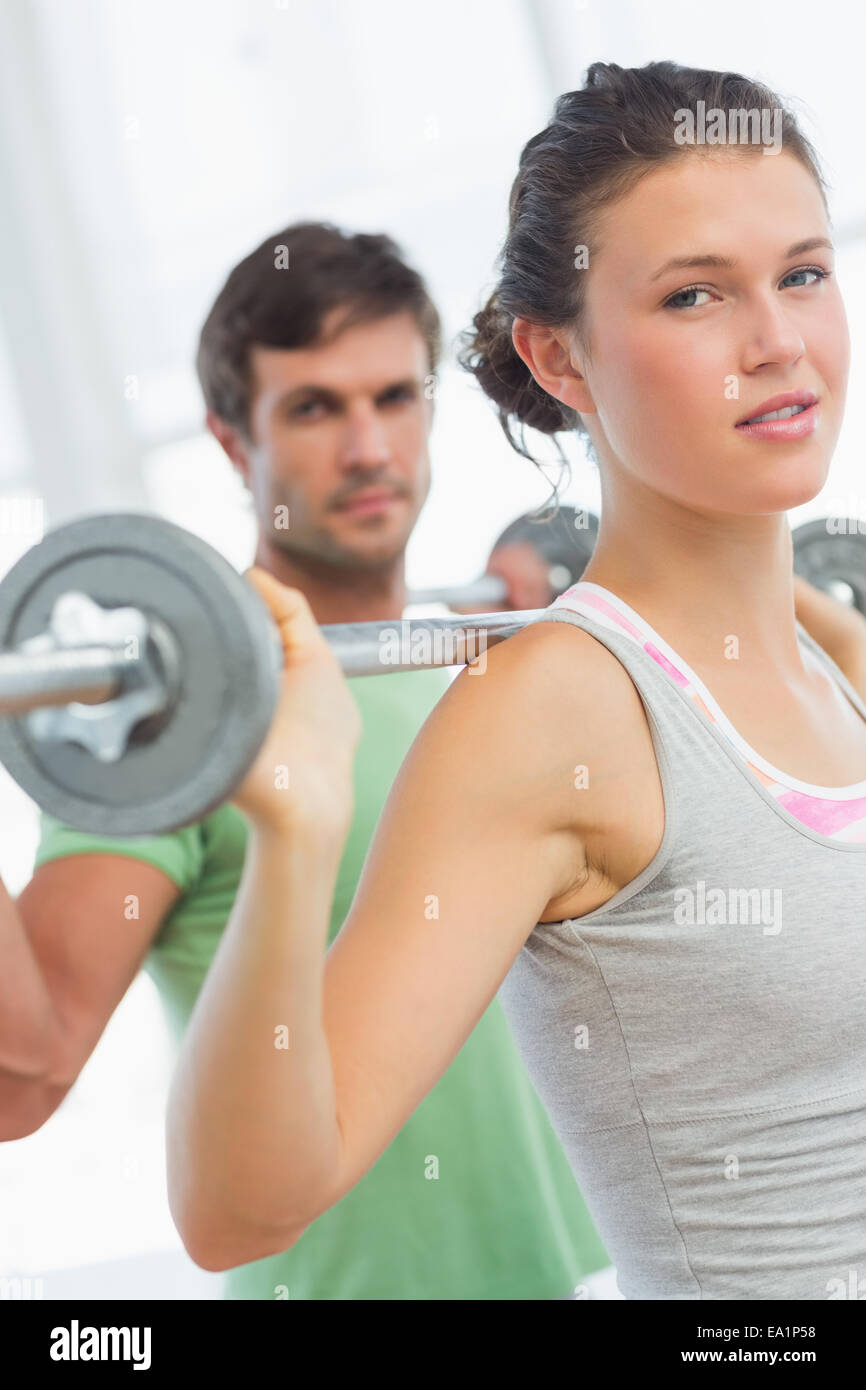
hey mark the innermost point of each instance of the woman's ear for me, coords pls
(550, 356)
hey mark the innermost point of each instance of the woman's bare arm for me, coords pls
(839, 629)
(478, 835)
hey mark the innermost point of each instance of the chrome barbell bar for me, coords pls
(95, 673)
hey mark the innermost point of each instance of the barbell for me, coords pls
(831, 554)
(564, 541)
(139, 671)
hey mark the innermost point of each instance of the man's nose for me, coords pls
(366, 439)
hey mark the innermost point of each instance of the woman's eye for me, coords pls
(699, 289)
(693, 289)
(810, 270)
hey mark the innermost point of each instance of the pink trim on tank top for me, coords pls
(835, 817)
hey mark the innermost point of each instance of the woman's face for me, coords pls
(673, 368)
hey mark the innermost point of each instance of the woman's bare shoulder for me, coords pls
(549, 669)
(569, 648)
(537, 705)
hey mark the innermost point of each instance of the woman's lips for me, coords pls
(796, 427)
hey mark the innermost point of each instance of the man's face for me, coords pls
(339, 437)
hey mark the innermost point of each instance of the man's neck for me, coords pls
(337, 595)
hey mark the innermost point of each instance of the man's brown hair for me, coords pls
(279, 295)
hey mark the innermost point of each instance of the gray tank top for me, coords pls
(699, 1041)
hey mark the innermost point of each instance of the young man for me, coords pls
(316, 362)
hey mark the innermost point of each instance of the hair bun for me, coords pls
(488, 352)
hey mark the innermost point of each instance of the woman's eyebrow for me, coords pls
(725, 263)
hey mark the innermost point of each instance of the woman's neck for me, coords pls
(716, 589)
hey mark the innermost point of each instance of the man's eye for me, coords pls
(399, 393)
(305, 409)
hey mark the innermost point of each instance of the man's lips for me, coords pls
(368, 501)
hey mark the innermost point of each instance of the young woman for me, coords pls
(646, 825)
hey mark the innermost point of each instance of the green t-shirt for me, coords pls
(474, 1198)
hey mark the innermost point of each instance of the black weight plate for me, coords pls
(825, 557)
(558, 539)
(230, 655)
